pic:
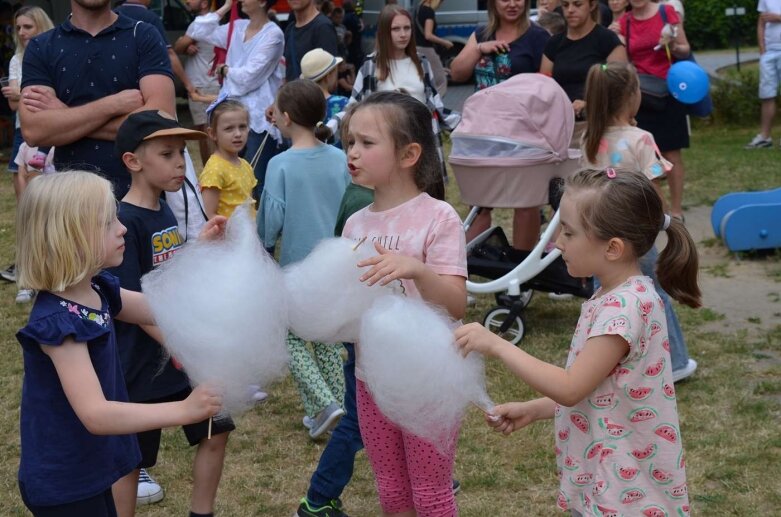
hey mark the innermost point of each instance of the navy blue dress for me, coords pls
(61, 461)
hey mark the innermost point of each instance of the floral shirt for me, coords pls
(630, 148)
(619, 451)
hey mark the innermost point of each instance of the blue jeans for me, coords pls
(679, 354)
(18, 139)
(335, 468)
(271, 149)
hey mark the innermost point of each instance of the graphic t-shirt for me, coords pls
(424, 228)
(630, 148)
(619, 450)
(234, 181)
(152, 238)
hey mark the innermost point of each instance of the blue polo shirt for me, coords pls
(83, 68)
(143, 14)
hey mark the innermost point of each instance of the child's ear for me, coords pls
(131, 161)
(210, 133)
(410, 155)
(615, 249)
(286, 119)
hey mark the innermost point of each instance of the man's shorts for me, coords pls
(198, 109)
(149, 441)
(769, 74)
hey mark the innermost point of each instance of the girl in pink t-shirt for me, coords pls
(420, 241)
(618, 441)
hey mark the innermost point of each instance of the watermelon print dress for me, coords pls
(619, 451)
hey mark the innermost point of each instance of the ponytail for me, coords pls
(323, 132)
(678, 264)
(609, 87)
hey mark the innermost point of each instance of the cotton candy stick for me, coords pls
(416, 375)
(222, 311)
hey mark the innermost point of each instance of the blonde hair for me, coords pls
(61, 229)
(493, 18)
(39, 17)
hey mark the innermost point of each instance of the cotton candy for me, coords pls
(221, 307)
(416, 375)
(326, 298)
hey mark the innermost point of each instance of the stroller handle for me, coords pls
(531, 266)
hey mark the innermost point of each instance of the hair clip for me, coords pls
(610, 172)
(319, 124)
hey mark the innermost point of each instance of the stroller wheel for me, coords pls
(497, 319)
(507, 300)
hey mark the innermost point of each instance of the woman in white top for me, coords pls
(28, 23)
(396, 65)
(252, 72)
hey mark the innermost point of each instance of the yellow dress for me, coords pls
(234, 181)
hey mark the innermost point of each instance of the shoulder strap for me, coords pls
(415, 16)
(628, 16)
(663, 13)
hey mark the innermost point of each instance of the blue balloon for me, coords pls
(688, 82)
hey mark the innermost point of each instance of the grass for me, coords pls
(730, 411)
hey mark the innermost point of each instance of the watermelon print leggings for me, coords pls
(409, 472)
(317, 373)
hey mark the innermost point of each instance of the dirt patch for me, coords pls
(744, 291)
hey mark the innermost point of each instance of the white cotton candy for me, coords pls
(414, 371)
(221, 307)
(326, 298)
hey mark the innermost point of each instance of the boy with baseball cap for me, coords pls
(151, 146)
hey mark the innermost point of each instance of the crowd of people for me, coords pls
(324, 140)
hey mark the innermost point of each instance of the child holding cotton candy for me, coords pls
(300, 201)
(420, 242)
(76, 424)
(618, 441)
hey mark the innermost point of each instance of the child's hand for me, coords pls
(205, 401)
(476, 338)
(512, 416)
(388, 266)
(214, 228)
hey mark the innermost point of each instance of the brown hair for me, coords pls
(625, 205)
(384, 43)
(552, 22)
(409, 122)
(493, 17)
(608, 90)
(224, 107)
(304, 103)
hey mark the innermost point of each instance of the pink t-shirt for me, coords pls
(619, 451)
(424, 228)
(630, 148)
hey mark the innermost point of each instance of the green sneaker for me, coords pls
(332, 509)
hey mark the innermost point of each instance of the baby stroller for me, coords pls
(513, 140)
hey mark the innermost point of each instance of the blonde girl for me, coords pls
(227, 180)
(612, 140)
(77, 428)
(614, 402)
(390, 148)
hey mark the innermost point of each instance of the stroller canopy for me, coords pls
(525, 120)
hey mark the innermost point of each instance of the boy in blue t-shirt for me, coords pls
(151, 145)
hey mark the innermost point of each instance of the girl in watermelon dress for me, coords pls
(618, 442)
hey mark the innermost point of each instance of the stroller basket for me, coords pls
(492, 257)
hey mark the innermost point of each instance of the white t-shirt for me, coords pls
(197, 66)
(15, 74)
(772, 30)
(26, 153)
(403, 74)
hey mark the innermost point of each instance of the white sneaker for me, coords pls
(686, 371)
(308, 421)
(149, 491)
(25, 295)
(759, 142)
(326, 420)
(257, 395)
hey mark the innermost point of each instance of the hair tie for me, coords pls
(610, 172)
(319, 124)
(604, 66)
(666, 222)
